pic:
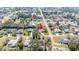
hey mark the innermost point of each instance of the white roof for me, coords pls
(31, 23)
(26, 42)
(13, 42)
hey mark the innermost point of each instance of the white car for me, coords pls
(12, 43)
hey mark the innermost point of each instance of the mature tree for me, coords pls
(73, 45)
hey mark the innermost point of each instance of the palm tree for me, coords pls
(20, 45)
(34, 46)
(47, 43)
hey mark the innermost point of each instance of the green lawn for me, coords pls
(3, 39)
(26, 33)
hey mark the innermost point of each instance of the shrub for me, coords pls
(73, 45)
(20, 45)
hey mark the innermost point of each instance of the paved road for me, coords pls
(49, 31)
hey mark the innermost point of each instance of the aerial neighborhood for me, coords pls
(39, 28)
